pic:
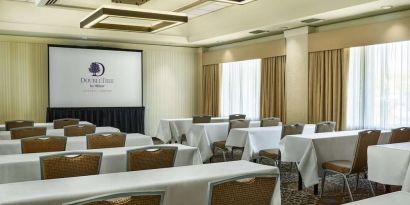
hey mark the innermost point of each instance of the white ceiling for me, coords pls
(230, 23)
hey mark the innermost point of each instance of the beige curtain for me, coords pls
(273, 98)
(23, 81)
(328, 71)
(211, 81)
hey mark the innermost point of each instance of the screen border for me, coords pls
(95, 48)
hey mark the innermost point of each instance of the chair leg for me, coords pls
(357, 181)
(348, 187)
(371, 187)
(223, 153)
(323, 183)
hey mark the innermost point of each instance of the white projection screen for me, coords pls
(94, 77)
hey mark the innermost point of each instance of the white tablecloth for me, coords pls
(390, 164)
(26, 167)
(395, 198)
(311, 150)
(183, 185)
(255, 139)
(204, 135)
(74, 143)
(5, 135)
(173, 129)
(49, 125)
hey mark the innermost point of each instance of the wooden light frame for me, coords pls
(166, 19)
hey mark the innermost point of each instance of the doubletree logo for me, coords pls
(97, 69)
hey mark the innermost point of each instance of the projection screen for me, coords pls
(94, 77)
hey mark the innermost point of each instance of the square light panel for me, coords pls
(132, 19)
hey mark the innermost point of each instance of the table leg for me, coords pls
(316, 189)
(299, 181)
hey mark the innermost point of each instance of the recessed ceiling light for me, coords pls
(387, 7)
(240, 2)
(258, 31)
(312, 20)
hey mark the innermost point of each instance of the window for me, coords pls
(379, 86)
(240, 89)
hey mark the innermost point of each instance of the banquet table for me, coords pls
(311, 150)
(390, 164)
(186, 185)
(395, 198)
(203, 135)
(75, 143)
(255, 139)
(173, 129)
(26, 167)
(48, 125)
(5, 135)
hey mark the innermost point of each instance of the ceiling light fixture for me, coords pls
(132, 19)
(387, 7)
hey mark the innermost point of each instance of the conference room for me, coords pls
(204, 102)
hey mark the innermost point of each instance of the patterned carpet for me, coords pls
(333, 187)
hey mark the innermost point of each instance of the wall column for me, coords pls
(297, 74)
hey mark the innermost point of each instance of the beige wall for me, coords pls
(297, 75)
(170, 79)
(258, 50)
(23, 81)
(374, 33)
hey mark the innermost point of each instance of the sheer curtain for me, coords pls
(379, 86)
(240, 88)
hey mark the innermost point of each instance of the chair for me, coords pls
(358, 165)
(195, 120)
(24, 132)
(71, 164)
(220, 145)
(274, 154)
(18, 123)
(43, 144)
(78, 130)
(106, 140)
(124, 198)
(154, 157)
(400, 135)
(237, 117)
(255, 189)
(270, 122)
(60, 123)
(201, 119)
(326, 126)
